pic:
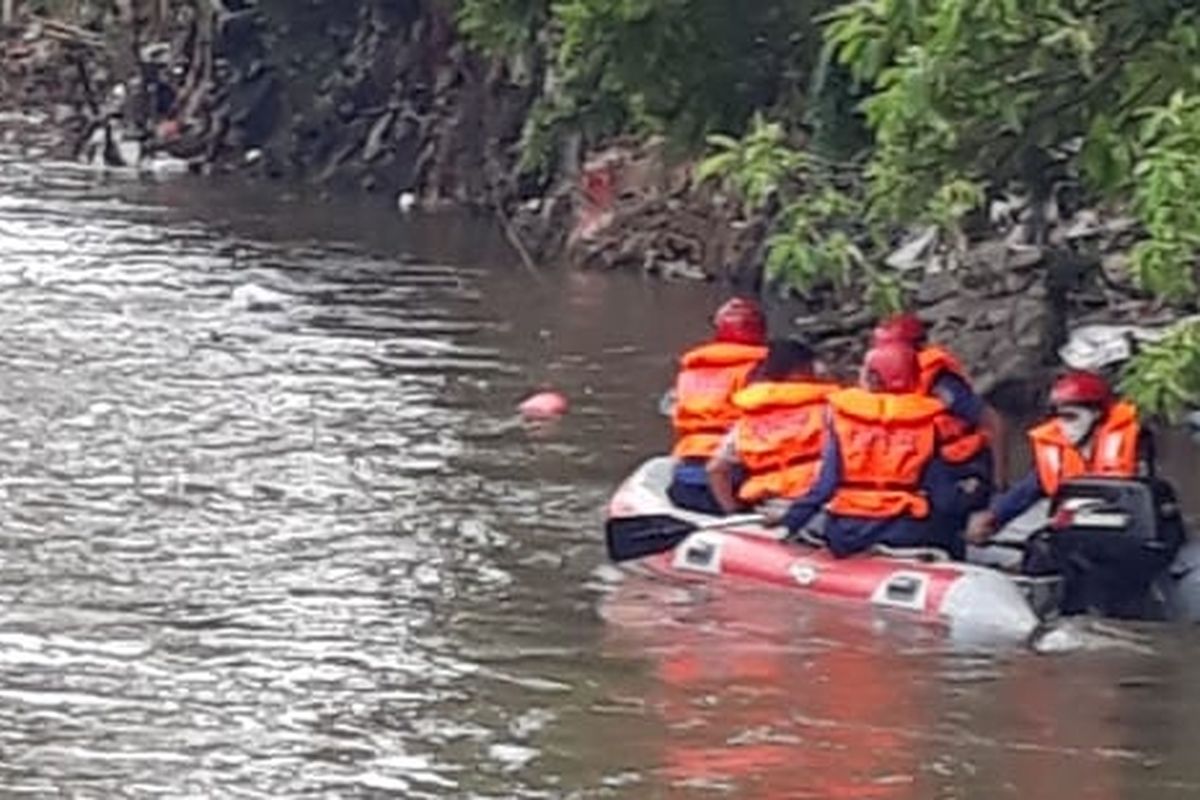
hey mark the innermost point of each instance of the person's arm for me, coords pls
(1007, 507)
(822, 491)
(963, 403)
(959, 399)
(1017, 500)
(720, 472)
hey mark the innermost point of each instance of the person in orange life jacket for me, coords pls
(776, 443)
(882, 480)
(710, 375)
(1090, 433)
(974, 431)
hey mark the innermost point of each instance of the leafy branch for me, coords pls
(1164, 378)
(820, 237)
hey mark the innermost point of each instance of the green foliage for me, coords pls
(885, 294)
(502, 27)
(977, 88)
(934, 104)
(836, 129)
(813, 243)
(691, 67)
(685, 68)
(1167, 197)
(960, 97)
(821, 241)
(812, 256)
(818, 239)
(1164, 379)
(952, 201)
(754, 167)
(553, 118)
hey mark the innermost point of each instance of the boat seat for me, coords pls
(1003, 558)
(812, 534)
(926, 555)
(809, 537)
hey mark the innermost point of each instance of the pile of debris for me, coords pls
(637, 210)
(368, 95)
(121, 89)
(46, 70)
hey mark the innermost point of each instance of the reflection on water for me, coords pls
(757, 698)
(269, 528)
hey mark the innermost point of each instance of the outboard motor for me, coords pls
(1111, 540)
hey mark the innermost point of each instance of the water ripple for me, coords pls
(269, 527)
(233, 526)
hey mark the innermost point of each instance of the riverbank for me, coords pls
(390, 101)
(363, 97)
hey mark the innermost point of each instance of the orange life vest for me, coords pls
(886, 442)
(709, 377)
(779, 437)
(1114, 450)
(933, 361)
(960, 441)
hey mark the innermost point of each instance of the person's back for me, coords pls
(777, 440)
(971, 432)
(875, 472)
(780, 437)
(709, 377)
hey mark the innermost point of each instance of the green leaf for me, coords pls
(1164, 378)
(716, 166)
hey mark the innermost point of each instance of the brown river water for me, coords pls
(301, 547)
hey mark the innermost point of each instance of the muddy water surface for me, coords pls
(268, 528)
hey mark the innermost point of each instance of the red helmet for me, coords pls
(1080, 388)
(891, 367)
(740, 321)
(904, 328)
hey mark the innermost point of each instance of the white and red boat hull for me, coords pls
(963, 596)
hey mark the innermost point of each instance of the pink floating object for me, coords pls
(544, 405)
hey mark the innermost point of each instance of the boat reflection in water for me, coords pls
(760, 694)
(761, 698)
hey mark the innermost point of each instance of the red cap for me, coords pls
(740, 321)
(891, 367)
(1081, 389)
(905, 328)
